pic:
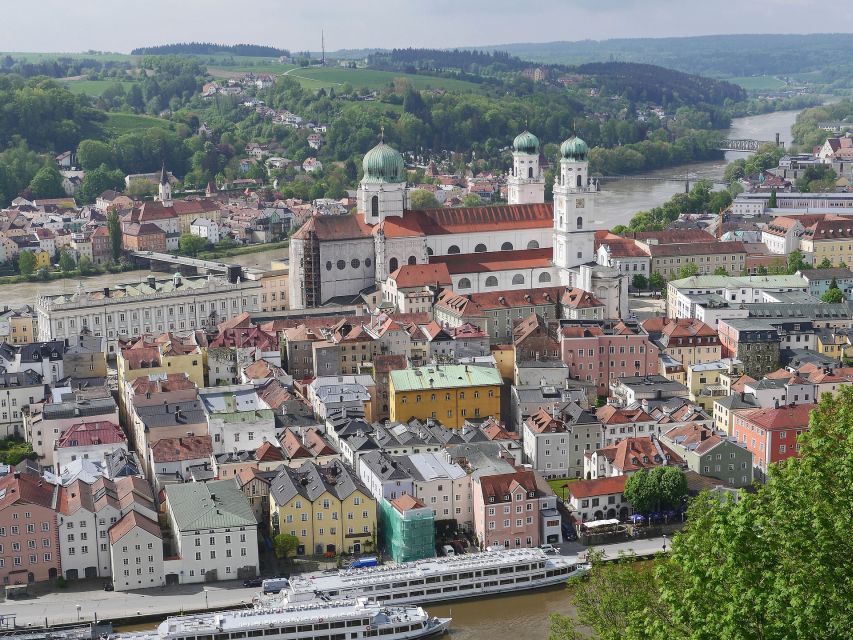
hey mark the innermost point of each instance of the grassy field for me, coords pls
(37, 57)
(758, 83)
(328, 77)
(92, 88)
(557, 486)
(229, 71)
(119, 123)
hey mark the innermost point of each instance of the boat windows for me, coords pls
(469, 585)
(337, 625)
(304, 628)
(386, 632)
(506, 570)
(508, 581)
(414, 582)
(400, 585)
(288, 631)
(454, 588)
(523, 579)
(239, 634)
(414, 594)
(466, 575)
(321, 626)
(522, 567)
(450, 577)
(356, 623)
(433, 591)
(433, 579)
(269, 632)
(490, 572)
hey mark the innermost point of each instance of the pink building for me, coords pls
(514, 510)
(597, 354)
(29, 547)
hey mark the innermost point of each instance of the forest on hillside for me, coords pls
(210, 48)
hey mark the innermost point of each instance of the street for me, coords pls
(60, 606)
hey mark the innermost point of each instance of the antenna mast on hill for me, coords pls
(323, 48)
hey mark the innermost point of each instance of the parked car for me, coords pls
(254, 582)
(108, 586)
(548, 548)
(448, 550)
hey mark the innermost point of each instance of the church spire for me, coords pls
(164, 178)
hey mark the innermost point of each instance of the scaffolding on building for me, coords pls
(311, 258)
(407, 535)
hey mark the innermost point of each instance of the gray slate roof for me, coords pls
(209, 505)
(312, 480)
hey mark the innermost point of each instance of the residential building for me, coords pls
(407, 528)
(599, 499)
(28, 529)
(42, 358)
(704, 384)
(326, 506)
(170, 459)
(546, 445)
(169, 353)
(214, 532)
(643, 390)
(629, 456)
(668, 259)
(237, 418)
(451, 393)
(711, 454)
(136, 553)
(686, 340)
(754, 342)
(88, 441)
(19, 391)
(819, 280)
(771, 435)
(441, 485)
(383, 477)
(736, 289)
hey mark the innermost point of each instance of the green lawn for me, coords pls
(119, 123)
(30, 56)
(557, 486)
(758, 83)
(228, 71)
(327, 77)
(93, 88)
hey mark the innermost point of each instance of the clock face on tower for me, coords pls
(579, 203)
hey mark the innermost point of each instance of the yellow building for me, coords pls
(274, 285)
(18, 326)
(832, 344)
(167, 353)
(42, 259)
(451, 394)
(326, 507)
(705, 383)
(504, 355)
(828, 238)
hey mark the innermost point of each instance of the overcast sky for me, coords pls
(121, 25)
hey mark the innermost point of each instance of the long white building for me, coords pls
(150, 306)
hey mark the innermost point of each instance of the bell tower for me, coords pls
(164, 190)
(574, 207)
(382, 190)
(526, 184)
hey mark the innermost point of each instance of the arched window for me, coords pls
(580, 184)
(392, 265)
(533, 244)
(529, 172)
(518, 279)
(429, 251)
(413, 260)
(464, 283)
(580, 222)
(453, 249)
(491, 281)
(374, 206)
(544, 277)
(480, 248)
(506, 246)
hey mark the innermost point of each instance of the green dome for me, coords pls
(574, 149)
(526, 143)
(383, 164)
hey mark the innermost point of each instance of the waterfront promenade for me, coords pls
(59, 606)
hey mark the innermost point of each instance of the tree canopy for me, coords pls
(656, 489)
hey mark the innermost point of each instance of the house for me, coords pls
(237, 418)
(204, 228)
(383, 477)
(326, 506)
(599, 499)
(88, 441)
(441, 485)
(170, 459)
(711, 454)
(629, 456)
(214, 531)
(771, 435)
(407, 528)
(136, 553)
(546, 445)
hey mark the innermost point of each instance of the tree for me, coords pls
(26, 263)
(762, 270)
(423, 199)
(114, 227)
(656, 489)
(97, 181)
(91, 154)
(796, 262)
(657, 282)
(640, 282)
(688, 270)
(47, 183)
(472, 200)
(771, 202)
(720, 271)
(284, 544)
(190, 245)
(85, 266)
(833, 294)
(826, 263)
(66, 261)
(785, 543)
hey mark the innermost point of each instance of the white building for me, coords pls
(150, 306)
(384, 477)
(546, 445)
(214, 531)
(204, 228)
(441, 485)
(598, 499)
(732, 289)
(237, 418)
(136, 553)
(17, 392)
(88, 441)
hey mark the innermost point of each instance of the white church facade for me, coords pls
(524, 244)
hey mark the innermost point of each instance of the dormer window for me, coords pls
(507, 497)
(531, 494)
(491, 498)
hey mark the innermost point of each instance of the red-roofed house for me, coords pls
(599, 499)
(412, 288)
(771, 435)
(628, 456)
(136, 553)
(88, 441)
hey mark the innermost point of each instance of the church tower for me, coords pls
(165, 188)
(574, 207)
(526, 185)
(382, 190)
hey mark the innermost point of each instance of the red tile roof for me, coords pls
(796, 416)
(696, 248)
(579, 299)
(598, 487)
(421, 275)
(86, 434)
(129, 522)
(347, 227)
(182, 449)
(449, 220)
(503, 484)
(26, 487)
(544, 422)
(406, 502)
(496, 260)
(157, 384)
(268, 452)
(632, 454)
(608, 414)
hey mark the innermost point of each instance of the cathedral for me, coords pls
(525, 244)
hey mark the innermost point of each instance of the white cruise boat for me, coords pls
(315, 620)
(439, 579)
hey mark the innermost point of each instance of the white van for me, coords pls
(448, 551)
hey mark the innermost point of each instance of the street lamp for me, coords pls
(664, 543)
(78, 612)
(206, 606)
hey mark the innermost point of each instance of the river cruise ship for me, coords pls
(440, 579)
(318, 619)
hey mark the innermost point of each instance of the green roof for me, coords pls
(574, 149)
(383, 163)
(732, 282)
(209, 505)
(526, 142)
(444, 377)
